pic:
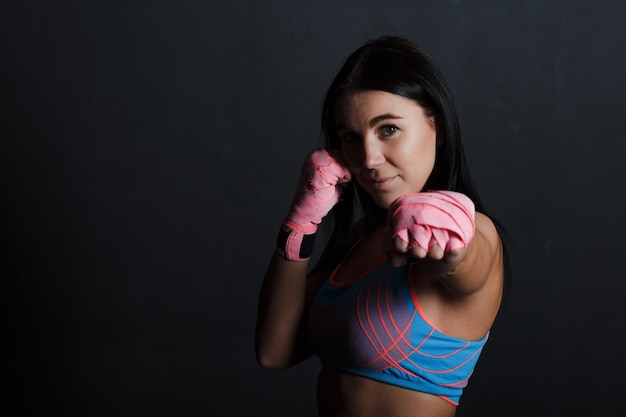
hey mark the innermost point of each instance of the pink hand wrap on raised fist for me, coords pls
(445, 218)
(319, 189)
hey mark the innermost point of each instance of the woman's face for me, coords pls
(387, 141)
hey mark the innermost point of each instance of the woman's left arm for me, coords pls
(461, 247)
(468, 270)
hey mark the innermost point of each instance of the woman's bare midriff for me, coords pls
(340, 394)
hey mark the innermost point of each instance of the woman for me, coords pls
(400, 304)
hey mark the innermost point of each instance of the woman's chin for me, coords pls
(384, 201)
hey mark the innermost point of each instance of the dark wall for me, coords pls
(149, 150)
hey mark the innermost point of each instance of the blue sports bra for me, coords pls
(374, 327)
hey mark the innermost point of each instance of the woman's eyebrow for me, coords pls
(386, 116)
(374, 121)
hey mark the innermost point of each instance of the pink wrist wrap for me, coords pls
(294, 245)
(445, 218)
(318, 190)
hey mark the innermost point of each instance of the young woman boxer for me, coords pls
(401, 302)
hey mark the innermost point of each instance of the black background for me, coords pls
(149, 151)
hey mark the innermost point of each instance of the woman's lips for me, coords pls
(381, 184)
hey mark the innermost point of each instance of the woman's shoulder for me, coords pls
(487, 228)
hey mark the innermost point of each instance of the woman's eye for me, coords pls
(388, 130)
(348, 137)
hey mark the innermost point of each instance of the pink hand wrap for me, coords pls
(445, 218)
(317, 193)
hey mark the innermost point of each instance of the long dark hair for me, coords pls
(395, 65)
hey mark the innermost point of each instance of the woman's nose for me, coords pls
(372, 153)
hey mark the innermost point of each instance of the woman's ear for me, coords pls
(439, 138)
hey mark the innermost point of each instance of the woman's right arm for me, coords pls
(281, 338)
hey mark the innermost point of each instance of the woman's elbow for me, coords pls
(270, 361)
